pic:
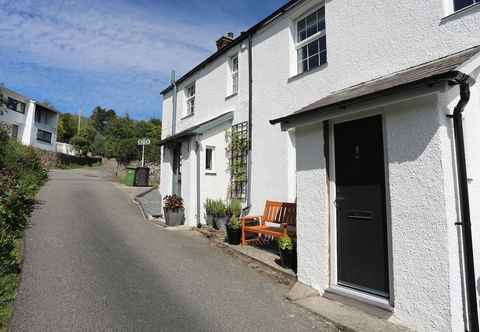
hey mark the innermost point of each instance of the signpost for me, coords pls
(143, 142)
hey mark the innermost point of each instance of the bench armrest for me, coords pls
(245, 219)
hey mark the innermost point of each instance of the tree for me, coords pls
(67, 127)
(80, 144)
(101, 118)
(3, 101)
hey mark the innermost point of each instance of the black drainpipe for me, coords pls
(250, 112)
(465, 205)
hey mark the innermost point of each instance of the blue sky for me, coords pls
(114, 53)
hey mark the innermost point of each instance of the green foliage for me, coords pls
(219, 208)
(81, 144)
(234, 208)
(285, 243)
(101, 118)
(21, 175)
(234, 223)
(209, 207)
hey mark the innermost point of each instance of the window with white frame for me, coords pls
(44, 136)
(190, 96)
(16, 105)
(234, 73)
(311, 41)
(460, 4)
(209, 159)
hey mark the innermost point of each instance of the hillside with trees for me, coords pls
(106, 134)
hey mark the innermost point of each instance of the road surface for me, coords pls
(93, 264)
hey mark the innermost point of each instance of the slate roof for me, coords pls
(437, 69)
(198, 129)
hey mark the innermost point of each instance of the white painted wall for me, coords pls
(28, 127)
(425, 247)
(365, 40)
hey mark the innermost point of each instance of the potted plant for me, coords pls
(234, 231)
(209, 206)
(286, 246)
(234, 208)
(173, 210)
(221, 217)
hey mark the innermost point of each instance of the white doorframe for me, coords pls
(385, 303)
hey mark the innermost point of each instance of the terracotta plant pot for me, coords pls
(174, 217)
(234, 235)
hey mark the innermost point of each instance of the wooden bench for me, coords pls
(281, 213)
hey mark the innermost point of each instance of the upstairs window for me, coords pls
(234, 72)
(311, 43)
(190, 94)
(15, 105)
(460, 4)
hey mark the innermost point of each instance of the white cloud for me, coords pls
(100, 37)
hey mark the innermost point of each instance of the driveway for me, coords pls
(93, 264)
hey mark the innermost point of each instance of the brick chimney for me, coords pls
(225, 40)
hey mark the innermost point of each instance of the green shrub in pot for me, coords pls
(209, 206)
(287, 252)
(234, 231)
(221, 217)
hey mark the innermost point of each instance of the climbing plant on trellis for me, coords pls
(237, 150)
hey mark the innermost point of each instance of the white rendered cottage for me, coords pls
(31, 123)
(298, 56)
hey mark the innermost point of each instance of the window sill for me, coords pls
(459, 13)
(231, 96)
(212, 173)
(187, 116)
(306, 73)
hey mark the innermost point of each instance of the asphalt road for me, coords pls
(93, 264)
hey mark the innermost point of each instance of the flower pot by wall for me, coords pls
(287, 258)
(234, 235)
(220, 223)
(210, 220)
(174, 217)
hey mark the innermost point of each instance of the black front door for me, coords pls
(362, 253)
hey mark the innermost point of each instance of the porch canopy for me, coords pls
(441, 69)
(197, 129)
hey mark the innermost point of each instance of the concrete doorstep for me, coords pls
(346, 314)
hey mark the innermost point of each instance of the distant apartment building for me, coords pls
(30, 122)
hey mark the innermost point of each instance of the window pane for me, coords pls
(302, 53)
(323, 57)
(208, 159)
(459, 4)
(313, 62)
(323, 43)
(313, 48)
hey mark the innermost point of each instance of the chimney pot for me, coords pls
(225, 40)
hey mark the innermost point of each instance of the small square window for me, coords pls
(209, 159)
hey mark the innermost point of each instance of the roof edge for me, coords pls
(454, 76)
(243, 35)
